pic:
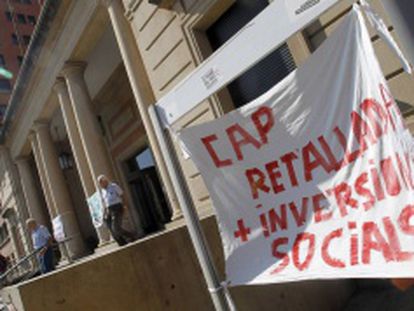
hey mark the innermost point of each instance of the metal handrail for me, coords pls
(19, 263)
(27, 257)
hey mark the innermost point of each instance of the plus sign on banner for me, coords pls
(314, 179)
(243, 232)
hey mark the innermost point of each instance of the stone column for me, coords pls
(88, 183)
(58, 190)
(43, 183)
(30, 190)
(12, 223)
(74, 137)
(41, 169)
(11, 228)
(18, 209)
(86, 121)
(141, 89)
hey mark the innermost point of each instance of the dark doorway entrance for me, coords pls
(147, 193)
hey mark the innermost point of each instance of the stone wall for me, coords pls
(162, 273)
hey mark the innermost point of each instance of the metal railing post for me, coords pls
(217, 291)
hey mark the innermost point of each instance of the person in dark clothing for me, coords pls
(42, 241)
(113, 198)
(4, 263)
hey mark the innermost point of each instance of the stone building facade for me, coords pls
(17, 20)
(82, 110)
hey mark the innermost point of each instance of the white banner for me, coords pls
(313, 180)
(58, 229)
(96, 209)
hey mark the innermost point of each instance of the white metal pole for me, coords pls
(217, 292)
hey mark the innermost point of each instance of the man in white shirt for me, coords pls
(113, 198)
(42, 241)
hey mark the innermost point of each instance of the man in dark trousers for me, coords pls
(113, 198)
(4, 263)
(42, 242)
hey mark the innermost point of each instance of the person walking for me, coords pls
(4, 263)
(42, 242)
(114, 208)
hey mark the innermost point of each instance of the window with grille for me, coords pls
(3, 108)
(21, 19)
(31, 19)
(264, 75)
(5, 85)
(15, 39)
(26, 40)
(4, 233)
(9, 16)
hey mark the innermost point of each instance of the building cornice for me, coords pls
(39, 35)
(72, 19)
(164, 4)
(73, 68)
(60, 85)
(131, 8)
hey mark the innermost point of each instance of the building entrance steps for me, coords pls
(157, 273)
(106, 248)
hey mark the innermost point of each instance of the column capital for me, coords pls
(32, 135)
(3, 148)
(60, 85)
(21, 159)
(40, 125)
(106, 3)
(4, 152)
(73, 68)
(117, 9)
